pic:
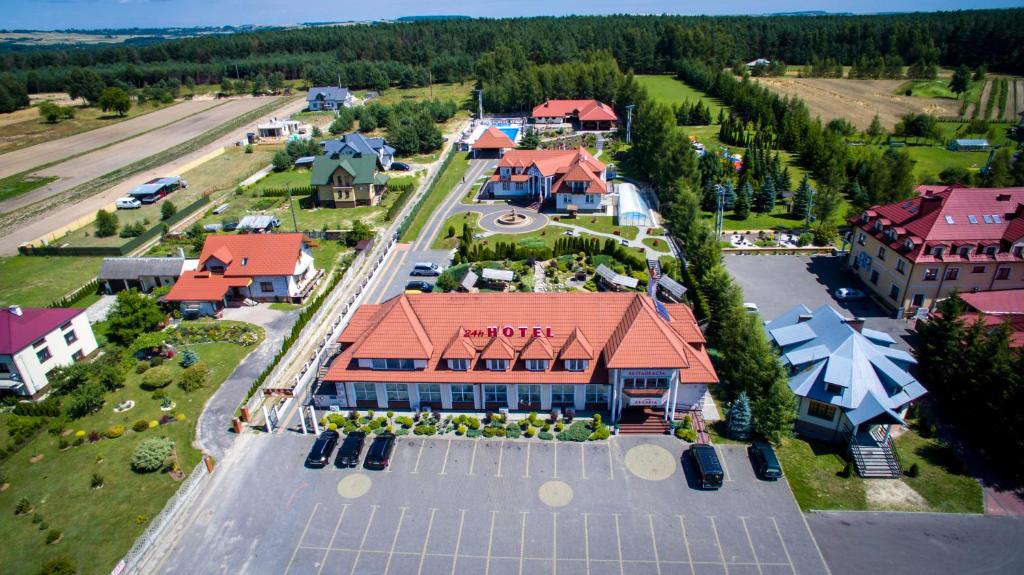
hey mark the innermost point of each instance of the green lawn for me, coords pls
(931, 160)
(601, 224)
(445, 183)
(656, 244)
(941, 480)
(443, 241)
(35, 281)
(277, 180)
(938, 88)
(100, 525)
(458, 92)
(669, 90)
(18, 184)
(780, 218)
(812, 469)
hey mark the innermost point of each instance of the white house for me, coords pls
(34, 341)
(323, 98)
(574, 179)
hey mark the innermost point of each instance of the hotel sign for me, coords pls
(646, 401)
(510, 331)
(647, 373)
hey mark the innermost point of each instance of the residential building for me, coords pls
(492, 143)
(259, 267)
(278, 129)
(522, 351)
(35, 341)
(347, 181)
(586, 115)
(852, 384)
(356, 144)
(143, 274)
(323, 98)
(995, 308)
(914, 252)
(574, 179)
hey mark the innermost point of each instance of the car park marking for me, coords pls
(472, 459)
(783, 542)
(611, 464)
(555, 476)
(334, 534)
(426, 539)
(586, 540)
(522, 539)
(458, 539)
(501, 455)
(686, 543)
(750, 540)
(583, 460)
(618, 543)
(718, 542)
(654, 544)
(725, 466)
(554, 543)
(490, 541)
(527, 476)
(416, 468)
(394, 540)
(301, 537)
(444, 465)
(362, 543)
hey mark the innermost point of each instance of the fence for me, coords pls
(163, 519)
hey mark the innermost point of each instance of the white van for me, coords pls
(127, 203)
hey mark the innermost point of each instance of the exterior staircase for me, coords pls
(875, 458)
(646, 422)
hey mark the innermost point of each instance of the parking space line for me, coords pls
(725, 467)
(815, 541)
(583, 460)
(490, 541)
(362, 542)
(394, 540)
(753, 551)
(718, 542)
(444, 465)
(501, 455)
(458, 539)
(522, 538)
(783, 542)
(333, 535)
(686, 543)
(618, 543)
(554, 543)
(654, 544)
(426, 539)
(556, 460)
(416, 468)
(527, 476)
(611, 466)
(301, 537)
(586, 540)
(472, 459)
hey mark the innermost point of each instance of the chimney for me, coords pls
(857, 323)
(15, 310)
(1003, 198)
(804, 317)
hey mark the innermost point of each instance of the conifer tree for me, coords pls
(742, 206)
(739, 420)
(802, 200)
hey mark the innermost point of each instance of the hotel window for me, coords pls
(397, 391)
(874, 277)
(496, 394)
(536, 364)
(70, 337)
(393, 364)
(908, 245)
(901, 265)
(576, 364)
(861, 238)
(462, 393)
(597, 394)
(991, 250)
(1003, 273)
(931, 274)
(563, 394)
(978, 269)
(458, 364)
(430, 392)
(497, 364)
(881, 253)
(937, 251)
(1018, 251)
(821, 410)
(529, 394)
(894, 292)
(365, 391)
(952, 274)
(43, 355)
(918, 300)
(646, 382)
(267, 286)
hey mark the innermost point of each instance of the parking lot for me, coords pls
(501, 507)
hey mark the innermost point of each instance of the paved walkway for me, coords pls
(213, 433)
(99, 310)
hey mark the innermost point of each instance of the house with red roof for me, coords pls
(995, 308)
(918, 251)
(35, 341)
(574, 179)
(234, 268)
(585, 115)
(493, 143)
(522, 351)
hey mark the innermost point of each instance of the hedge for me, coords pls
(77, 295)
(281, 192)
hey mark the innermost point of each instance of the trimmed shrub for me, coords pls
(37, 519)
(156, 378)
(530, 432)
(472, 422)
(58, 566)
(141, 367)
(474, 433)
(404, 421)
(578, 431)
(53, 535)
(189, 358)
(686, 434)
(151, 454)
(194, 377)
(425, 430)
(332, 427)
(23, 507)
(156, 361)
(391, 414)
(513, 431)
(559, 426)
(461, 430)
(115, 431)
(914, 470)
(140, 425)
(602, 432)
(545, 435)
(97, 481)
(402, 432)
(494, 431)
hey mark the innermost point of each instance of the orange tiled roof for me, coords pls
(493, 139)
(204, 286)
(459, 347)
(537, 348)
(396, 333)
(249, 255)
(577, 347)
(498, 348)
(576, 165)
(586, 110)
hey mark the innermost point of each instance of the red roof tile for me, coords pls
(249, 255)
(204, 286)
(1010, 301)
(498, 348)
(493, 139)
(586, 110)
(537, 348)
(396, 333)
(459, 347)
(577, 347)
(19, 331)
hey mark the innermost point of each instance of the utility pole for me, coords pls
(629, 122)
(720, 208)
(480, 104)
(291, 206)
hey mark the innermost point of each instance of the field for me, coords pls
(859, 100)
(443, 185)
(18, 184)
(38, 280)
(669, 90)
(461, 93)
(1013, 101)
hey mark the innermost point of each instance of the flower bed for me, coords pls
(209, 332)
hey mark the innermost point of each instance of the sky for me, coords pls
(84, 14)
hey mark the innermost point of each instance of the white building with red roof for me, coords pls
(917, 251)
(573, 178)
(35, 341)
(522, 351)
(585, 115)
(233, 268)
(492, 143)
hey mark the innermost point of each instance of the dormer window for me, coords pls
(536, 364)
(937, 251)
(865, 218)
(990, 250)
(576, 364)
(834, 389)
(909, 244)
(965, 251)
(458, 364)
(878, 226)
(497, 364)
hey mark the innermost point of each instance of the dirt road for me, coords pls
(54, 220)
(26, 158)
(97, 163)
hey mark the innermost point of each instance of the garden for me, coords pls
(491, 425)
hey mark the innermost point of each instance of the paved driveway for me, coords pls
(490, 507)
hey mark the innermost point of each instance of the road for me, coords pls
(27, 158)
(68, 214)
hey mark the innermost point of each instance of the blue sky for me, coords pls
(58, 14)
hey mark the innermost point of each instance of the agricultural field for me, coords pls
(669, 90)
(1000, 99)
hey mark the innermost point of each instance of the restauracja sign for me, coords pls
(510, 331)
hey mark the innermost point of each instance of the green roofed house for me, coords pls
(347, 181)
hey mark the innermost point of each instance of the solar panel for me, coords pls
(662, 311)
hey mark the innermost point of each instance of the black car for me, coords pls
(351, 449)
(379, 455)
(322, 449)
(400, 166)
(420, 285)
(708, 467)
(766, 464)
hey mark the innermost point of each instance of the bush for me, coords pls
(494, 431)
(97, 481)
(559, 426)
(578, 431)
(151, 454)
(58, 566)
(53, 535)
(391, 414)
(474, 433)
(159, 394)
(461, 430)
(513, 432)
(115, 431)
(846, 472)
(23, 507)
(914, 470)
(332, 426)
(402, 432)
(425, 430)
(86, 399)
(602, 432)
(545, 435)
(530, 431)
(140, 425)
(545, 427)
(472, 422)
(37, 519)
(405, 421)
(189, 358)
(156, 378)
(194, 377)
(597, 419)
(44, 526)
(141, 367)
(686, 434)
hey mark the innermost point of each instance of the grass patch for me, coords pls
(812, 469)
(656, 244)
(941, 480)
(602, 224)
(929, 161)
(938, 88)
(445, 183)
(35, 281)
(278, 306)
(779, 218)
(669, 90)
(443, 241)
(460, 92)
(291, 178)
(18, 184)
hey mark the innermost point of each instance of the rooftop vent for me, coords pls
(804, 317)
(15, 310)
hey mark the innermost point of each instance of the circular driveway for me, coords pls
(489, 221)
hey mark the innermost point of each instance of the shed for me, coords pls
(633, 207)
(671, 287)
(469, 282)
(616, 281)
(492, 274)
(258, 223)
(144, 274)
(305, 162)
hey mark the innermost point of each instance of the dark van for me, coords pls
(766, 464)
(709, 469)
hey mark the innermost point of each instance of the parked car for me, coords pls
(709, 468)
(426, 269)
(323, 447)
(624, 242)
(848, 294)
(127, 204)
(351, 449)
(420, 286)
(751, 307)
(400, 166)
(379, 455)
(766, 464)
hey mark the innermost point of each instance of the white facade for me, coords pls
(62, 346)
(583, 202)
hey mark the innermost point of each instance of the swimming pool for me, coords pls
(510, 131)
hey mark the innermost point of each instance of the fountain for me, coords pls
(513, 219)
